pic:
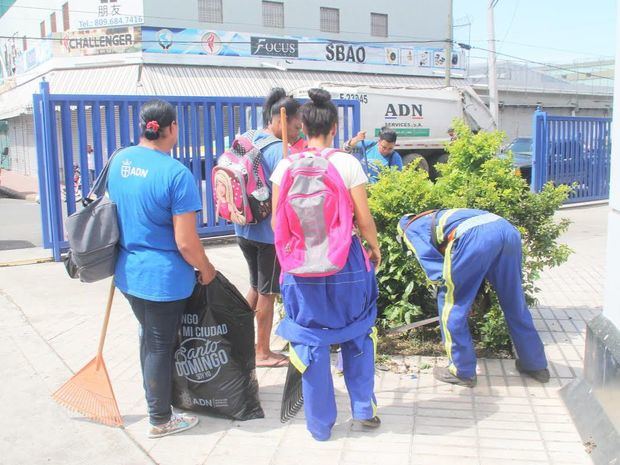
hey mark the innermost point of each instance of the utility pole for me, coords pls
(493, 97)
(449, 45)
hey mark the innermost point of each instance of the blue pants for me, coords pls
(491, 251)
(358, 358)
(159, 326)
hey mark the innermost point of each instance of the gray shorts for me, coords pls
(262, 264)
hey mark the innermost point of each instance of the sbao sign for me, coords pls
(274, 47)
(345, 53)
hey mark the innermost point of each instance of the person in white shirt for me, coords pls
(91, 163)
(337, 309)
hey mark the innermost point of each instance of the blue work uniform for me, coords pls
(337, 309)
(371, 159)
(478, 245)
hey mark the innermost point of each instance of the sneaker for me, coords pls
(373, 422)
(178, 422)
(542, 376)
(444, 375)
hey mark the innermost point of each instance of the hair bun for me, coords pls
(276, 94)
(150, 134)
(319, 96)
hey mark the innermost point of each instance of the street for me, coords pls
(21, 224)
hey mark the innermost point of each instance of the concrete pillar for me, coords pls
(594, 400)
(611, 309)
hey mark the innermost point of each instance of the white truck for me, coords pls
(420, 116)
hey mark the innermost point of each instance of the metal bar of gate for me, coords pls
(51, 168)
(83, 148)
(205, 124)
(37, 113)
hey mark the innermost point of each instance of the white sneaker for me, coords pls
(178, 422)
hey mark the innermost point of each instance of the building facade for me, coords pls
(211, 48)
(523, 88)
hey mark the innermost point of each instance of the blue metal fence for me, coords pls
(572, 150)
(65, 125)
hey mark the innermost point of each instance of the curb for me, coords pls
(577, 205)
(13, 194)
(31, 261)
(218, 240)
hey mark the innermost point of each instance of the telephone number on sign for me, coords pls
(117, 21)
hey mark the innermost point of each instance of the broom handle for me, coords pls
(106, 319)
(283, 123)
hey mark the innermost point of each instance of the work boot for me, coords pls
(542, 376)
(444, 375)
(373, 422)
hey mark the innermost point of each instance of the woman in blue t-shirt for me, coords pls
(256, 240)
(157, 199)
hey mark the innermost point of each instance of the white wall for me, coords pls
(611, 307)
(21, 21)
(407, 19)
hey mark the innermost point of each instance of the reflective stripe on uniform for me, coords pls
(295, 360)
(449, 300)
(375, 339)
(439, 232)
(473, 222)
(415, 252)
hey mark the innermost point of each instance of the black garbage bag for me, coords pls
(214, 364)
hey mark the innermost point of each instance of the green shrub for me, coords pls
(473, 177)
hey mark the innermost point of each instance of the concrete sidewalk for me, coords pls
(19, 186)
(51, 324)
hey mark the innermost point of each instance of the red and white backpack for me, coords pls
(240, 190)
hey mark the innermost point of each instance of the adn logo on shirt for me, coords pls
(128, 170)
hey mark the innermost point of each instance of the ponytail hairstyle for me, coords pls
(156, 115)
(276, 100)
(319, 114)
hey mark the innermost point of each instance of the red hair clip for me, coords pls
(154, 125)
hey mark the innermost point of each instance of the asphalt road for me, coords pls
(20, 224)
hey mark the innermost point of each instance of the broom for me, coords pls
(89, 391)
(292, 396)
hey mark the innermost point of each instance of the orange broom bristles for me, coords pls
(89, 391)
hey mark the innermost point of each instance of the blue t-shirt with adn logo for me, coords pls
(262, 231)
(373, 162)
(150, 187)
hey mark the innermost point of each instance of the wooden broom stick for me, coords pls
(106, 320)
(283, 123)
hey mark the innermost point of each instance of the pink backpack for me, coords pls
(314, 216)
(240, 190)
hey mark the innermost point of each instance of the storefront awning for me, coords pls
(192, 81)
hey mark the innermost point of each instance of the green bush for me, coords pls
(473, 177)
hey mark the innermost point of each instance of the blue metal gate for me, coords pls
(66, 125)
(572, 150)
